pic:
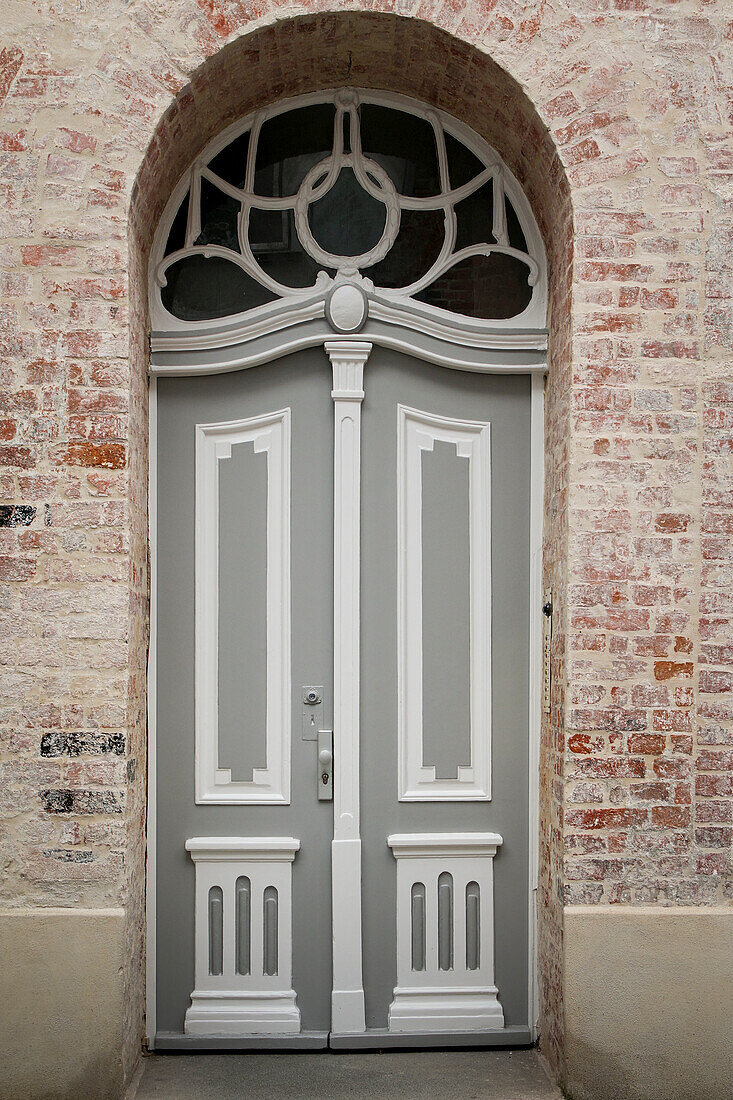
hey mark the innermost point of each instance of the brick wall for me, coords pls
(616, 119)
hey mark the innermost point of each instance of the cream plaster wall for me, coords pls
(61, 988)
(649, 1003)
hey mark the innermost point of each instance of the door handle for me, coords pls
(324, 765)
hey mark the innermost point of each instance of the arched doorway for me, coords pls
(345, 619)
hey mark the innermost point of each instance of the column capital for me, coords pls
(347, 359)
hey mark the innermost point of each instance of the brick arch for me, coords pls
(421, 59)
(96, 106)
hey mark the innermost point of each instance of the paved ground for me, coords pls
(433, 1075)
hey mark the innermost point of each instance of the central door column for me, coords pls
(347, 998)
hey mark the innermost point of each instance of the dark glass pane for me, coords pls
(231, 163)
(416, 248)
(463, 165)
(177, 235)
(404, 146)
(218, 218)
(491, 287)
(278, 251)
(199, 289)
(514, 230)
(347, 221)
(475, 218)
(268, 230)
(288, 147)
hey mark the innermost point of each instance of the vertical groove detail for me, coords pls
(269, 928)
(417, 912)
(445, 921)
(216, 930)
(243, 895)
(473, 926)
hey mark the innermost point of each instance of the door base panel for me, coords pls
(304, 1040)
(271, 1013)
(378, 1038)
(424, 1010)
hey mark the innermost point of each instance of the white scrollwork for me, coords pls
(385, 194)
(323, 270)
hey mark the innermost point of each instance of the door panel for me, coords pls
(301, 383)
(445, 477)
(502, 402)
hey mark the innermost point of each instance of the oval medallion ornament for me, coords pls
(346, 308)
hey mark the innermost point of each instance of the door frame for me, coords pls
(448, 356)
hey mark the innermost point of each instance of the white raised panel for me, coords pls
(270, 434)
(418, 432)
(226, 1001)
(450, 988)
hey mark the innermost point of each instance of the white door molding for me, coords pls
(348, 358)
(270, 435)
(417, 433)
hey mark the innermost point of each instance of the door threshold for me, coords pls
(303, 1040)
(381, 1038)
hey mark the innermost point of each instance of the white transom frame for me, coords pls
(418, 431)
(270, 435)
(295, 305)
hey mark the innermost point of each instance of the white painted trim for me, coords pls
(536, 511)
(435, 845)
(151, 826)
(222, 849)
(456, 998)
(346, 101)
(270, 785)
(438, 350)
(348, 358)
(231, 1002)
(417, 432)
(240, 336)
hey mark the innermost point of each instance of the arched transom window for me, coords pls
(410, 210)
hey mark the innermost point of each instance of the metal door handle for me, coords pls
(325, 766)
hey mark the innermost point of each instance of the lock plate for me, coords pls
(312, 711)
(324, 765)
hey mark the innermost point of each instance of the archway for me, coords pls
(454, 77)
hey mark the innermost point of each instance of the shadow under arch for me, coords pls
(413, 57)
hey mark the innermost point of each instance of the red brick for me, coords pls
(667, 670)
(111, 456)
(647, 744)
(606, 819)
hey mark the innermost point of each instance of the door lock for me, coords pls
(325, 765)
(311, 715)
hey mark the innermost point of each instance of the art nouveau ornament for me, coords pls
(342, 205)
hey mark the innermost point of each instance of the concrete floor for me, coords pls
(419, 1075)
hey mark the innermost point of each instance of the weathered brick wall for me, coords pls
(626, 131)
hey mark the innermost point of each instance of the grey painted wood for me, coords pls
(446, 611)
(242, 611)
(390, 379)
(303, 383)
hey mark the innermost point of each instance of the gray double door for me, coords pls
(248, 917)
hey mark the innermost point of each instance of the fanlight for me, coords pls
(357, 187)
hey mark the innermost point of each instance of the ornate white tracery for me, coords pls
(294, 305)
